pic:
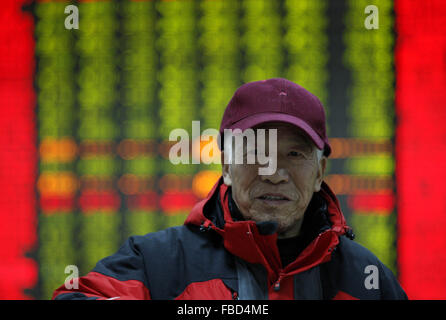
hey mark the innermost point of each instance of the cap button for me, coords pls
(283, 93)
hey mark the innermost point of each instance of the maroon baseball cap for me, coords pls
(281, 100)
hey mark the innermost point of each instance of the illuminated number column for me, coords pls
(307, 45)
(420, 147)
(97, 166)
(261, 40)
(18, 154)
(139, 127)
(369, 57)
(219, 44)
(178, 102)
(57, 182)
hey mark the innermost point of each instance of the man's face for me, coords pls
(284, 195)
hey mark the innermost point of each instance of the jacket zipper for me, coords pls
(277, 283)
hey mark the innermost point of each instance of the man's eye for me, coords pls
(295, 154)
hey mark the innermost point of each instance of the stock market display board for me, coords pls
(109, 93)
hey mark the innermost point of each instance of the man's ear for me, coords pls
(226, 170)
(320, 174)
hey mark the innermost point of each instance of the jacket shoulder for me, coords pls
(176, 241)
(177, 256)
(356, 253)
(165, 238)
(358, 272)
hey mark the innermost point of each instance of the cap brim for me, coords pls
(259, 118)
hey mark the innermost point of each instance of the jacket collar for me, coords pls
(255, 243)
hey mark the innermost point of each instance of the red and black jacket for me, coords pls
(215, 255)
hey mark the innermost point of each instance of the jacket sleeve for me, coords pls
(390, 287)
(119, 276)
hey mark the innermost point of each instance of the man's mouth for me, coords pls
(274, 198)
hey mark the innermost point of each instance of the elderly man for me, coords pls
(279, 235)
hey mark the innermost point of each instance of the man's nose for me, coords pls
(280, 176)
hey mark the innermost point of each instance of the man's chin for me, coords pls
(267, 227)
(287, 229)
(280, 227)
